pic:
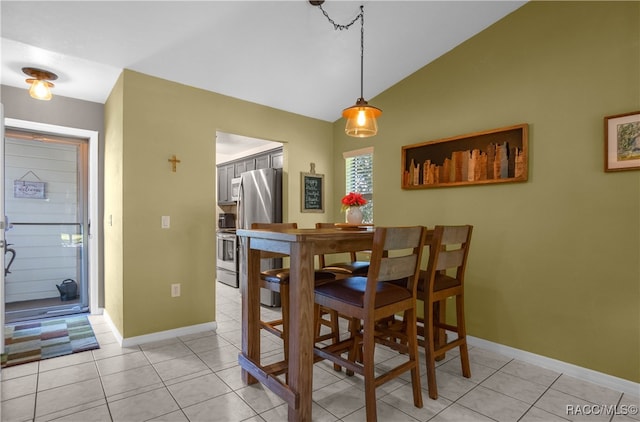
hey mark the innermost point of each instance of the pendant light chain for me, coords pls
(337, 26)
(361, 117)
(361, 51)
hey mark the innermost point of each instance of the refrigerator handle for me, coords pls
(240, 223)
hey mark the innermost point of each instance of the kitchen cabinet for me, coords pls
(263, 162)
(277, 159)
(239, 168)
(231, 169)
(244, 165)
(225, 174)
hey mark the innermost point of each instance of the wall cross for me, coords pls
(174, 161)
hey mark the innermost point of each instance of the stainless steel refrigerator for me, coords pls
(260, 201)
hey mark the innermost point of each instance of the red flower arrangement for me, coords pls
(353, 199)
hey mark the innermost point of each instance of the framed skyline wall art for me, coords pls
(480, 158)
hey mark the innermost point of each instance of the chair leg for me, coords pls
(333, 324)
(462, 334)
(354, 352)
(369, 373)
(429, 350)
(412, 344)
(284, 306)
(440, 335)
(317, 324)
(335, 329)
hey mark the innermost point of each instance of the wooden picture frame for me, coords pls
(312, 192)
(480, 158)
(622, 142)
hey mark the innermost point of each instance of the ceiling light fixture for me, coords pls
(361, 117)
(40, 86)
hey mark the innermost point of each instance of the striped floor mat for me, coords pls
(30, 341)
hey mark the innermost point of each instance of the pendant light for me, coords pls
(361, 117)
(40, 86)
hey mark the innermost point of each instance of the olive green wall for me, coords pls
(113, 205)
(149, 120)
(554, 263)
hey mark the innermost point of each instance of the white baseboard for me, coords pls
(160, 335)
(605, 380)
(112, 326)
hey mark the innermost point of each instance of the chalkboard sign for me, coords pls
(312, 198)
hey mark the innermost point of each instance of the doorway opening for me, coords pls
(46, 196)
(235, 155)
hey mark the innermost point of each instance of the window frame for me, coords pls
(367, 209)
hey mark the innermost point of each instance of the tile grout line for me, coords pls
(541, 395)
(104, 393)
(473, 388)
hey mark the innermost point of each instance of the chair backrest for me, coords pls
(274, 226)
(395, 255)
(449, 250)
(321, 259)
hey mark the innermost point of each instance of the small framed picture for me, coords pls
(622, 142)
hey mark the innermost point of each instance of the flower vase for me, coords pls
(354, 215)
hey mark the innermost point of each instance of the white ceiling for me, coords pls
(282, 54)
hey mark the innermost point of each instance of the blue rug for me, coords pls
(30, 341)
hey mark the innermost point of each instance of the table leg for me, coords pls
(250, 289)
(301, 293)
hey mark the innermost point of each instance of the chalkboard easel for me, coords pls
(312, 198)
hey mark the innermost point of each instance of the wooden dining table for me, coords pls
(301, 245)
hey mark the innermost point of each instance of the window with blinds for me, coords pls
(359, 178)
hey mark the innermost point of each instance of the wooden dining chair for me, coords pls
(444, 278)
(340, 269)
(277, 280)
(352, 267)
(395, 255)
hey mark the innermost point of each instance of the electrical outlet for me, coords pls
(175, 290)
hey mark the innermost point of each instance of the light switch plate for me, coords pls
(166, 221)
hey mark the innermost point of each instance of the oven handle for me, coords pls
(226, 236)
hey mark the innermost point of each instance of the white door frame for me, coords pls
(94, 197)
(2, 226)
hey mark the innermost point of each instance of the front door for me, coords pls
(2, 228)
(46, 204)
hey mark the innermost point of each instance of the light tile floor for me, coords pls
(197, 378)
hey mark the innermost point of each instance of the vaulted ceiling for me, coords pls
(282, 54)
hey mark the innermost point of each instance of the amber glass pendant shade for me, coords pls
(40, 90)
(361, 119)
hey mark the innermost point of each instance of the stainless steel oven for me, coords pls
(227, 259)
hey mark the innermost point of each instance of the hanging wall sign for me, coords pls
(26, 189)
(312, 195)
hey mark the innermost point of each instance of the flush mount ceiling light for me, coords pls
(361, 117)
(40, 86)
